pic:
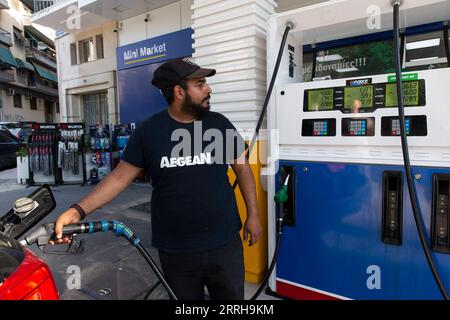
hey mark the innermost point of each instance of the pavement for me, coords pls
(109, 268)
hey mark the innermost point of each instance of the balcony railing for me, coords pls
(40, 5)
(35, 54)
(4, 4)
(7, 75)
(5, 37)
(37, 84)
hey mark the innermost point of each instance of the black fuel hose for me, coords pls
(280, 223)
(289, 26)
(263, 113)
(411, 186)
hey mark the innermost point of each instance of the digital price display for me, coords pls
(356, 98)
(320, 100)
(410, 94)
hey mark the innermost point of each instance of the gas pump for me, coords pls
(351, 232)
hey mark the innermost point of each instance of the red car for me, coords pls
(23, 276)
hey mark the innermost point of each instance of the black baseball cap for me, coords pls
(173, 72)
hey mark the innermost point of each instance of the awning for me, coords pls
(6, 57)
(46, 74)
(25, 65)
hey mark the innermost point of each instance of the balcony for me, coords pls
(40, 5)
(5, 37)
(7, 75)
(4, 4)
(42, 87)
(36, 55)
(60, 16)
(93, 13)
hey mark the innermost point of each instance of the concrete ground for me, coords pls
(109, 267)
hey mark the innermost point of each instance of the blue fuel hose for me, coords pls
(43, 234)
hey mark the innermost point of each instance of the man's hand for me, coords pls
(253, 228)
(71, 216)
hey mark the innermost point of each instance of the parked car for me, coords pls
(9, 145)
(23, 276)
(13, 127)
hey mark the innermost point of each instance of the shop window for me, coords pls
(17, 101)
(363, 59)
(425, 51)
(96, 109)
(307, 66)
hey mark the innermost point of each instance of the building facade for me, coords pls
(28, 80)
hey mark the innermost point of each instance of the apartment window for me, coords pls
(57, 108)
(19, 39)
(73, 54)
(99, 45)
(33, 104)
(17, 101)
(86, 48)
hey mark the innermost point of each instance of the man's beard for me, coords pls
(194, 109)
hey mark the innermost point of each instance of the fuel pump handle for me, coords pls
(44, 233)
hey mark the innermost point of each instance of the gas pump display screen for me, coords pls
(363, 99)
(356, 98)
(410, 92)
(320, 100)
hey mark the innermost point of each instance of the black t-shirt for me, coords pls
(193, 204)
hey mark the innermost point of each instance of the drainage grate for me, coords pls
(145, 207)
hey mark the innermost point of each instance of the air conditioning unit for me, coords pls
(11, 92)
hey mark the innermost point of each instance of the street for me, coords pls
(110, 268)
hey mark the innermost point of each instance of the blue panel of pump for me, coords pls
(336, 245)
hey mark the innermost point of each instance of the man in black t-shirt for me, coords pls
(186, 150)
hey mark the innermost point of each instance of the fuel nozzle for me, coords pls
(280, 198)
(282, 194)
